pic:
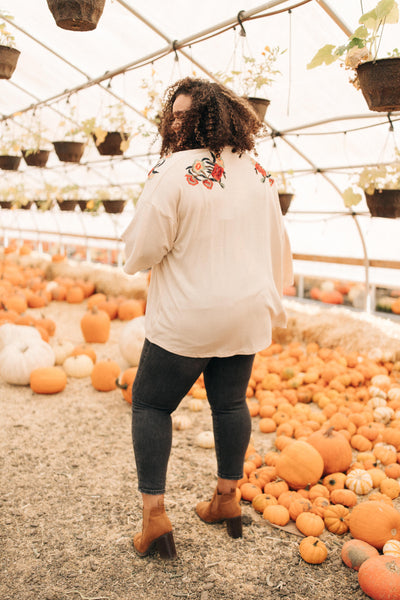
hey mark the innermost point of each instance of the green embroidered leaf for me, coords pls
(324, 55)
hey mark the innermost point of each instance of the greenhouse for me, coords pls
(82, 89)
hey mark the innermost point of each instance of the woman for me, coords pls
(209, 224)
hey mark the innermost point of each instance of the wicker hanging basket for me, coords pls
(111, 146)
(36, 158)
(114, 206)
(76, 15)
(5, 204)
(67, 205)
(380, 84)
(259, 106)
(8, 61)
(69, 151)
(284, 201)
(384, 203)
(9, 163)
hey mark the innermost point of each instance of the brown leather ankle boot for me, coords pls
(156, 533)
(222, 507)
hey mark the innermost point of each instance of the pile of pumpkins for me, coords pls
(30, 356)
(334, 419)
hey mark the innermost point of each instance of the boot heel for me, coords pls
(234, 527)
(166, 546)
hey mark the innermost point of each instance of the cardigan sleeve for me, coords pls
(152, 231)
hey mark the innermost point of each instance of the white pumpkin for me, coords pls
(376, 402)
(392, 548)
(394, 393)
(18, 359)
(80, 365)
(9, 333)
(181, 422)
(381, 381)
(383, 414)
(62, 349)
(359, 481)
(205, 439)
(376, 392)
(131, 341)
(195, 404)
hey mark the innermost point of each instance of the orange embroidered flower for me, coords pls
(190, 179)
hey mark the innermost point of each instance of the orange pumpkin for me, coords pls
(125, 383)
(336, 519)
(375, 523)
(47, 380)
(299, 464)
(313, 550)
(334, 448)
(355, 552)
(345, 497)
(276, 514)
(379, 577)
(104, 375)
(95, 326)
(310, 524)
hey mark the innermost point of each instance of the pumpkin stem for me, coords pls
(329, 431)
(121, 386)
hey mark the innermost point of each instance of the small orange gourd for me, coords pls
(313, 550)
(95, 326)
(104, 375)
(47, 380)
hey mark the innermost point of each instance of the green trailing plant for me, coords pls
(369, 179)
(6, 37)
(363, 44)
(256, 74)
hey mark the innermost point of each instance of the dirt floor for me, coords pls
(69, 506)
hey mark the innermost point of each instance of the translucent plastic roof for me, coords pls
(321, 123)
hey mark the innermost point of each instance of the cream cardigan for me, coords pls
(212, 231)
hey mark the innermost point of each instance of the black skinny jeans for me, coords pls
(162, 380)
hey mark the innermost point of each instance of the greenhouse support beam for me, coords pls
(297, 128)
(171, 47)
(325, 6)
(66, 61)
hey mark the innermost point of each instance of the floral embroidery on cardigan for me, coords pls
(264, 175)
(154, 170)
(206, 171)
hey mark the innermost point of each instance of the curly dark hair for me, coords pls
(217, 118)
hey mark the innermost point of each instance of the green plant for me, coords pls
(46, 196)
(283, 181)
(15, 193)
(363, 44)
(114, 119)
(373, 178)
(6, 38)
(255, 75)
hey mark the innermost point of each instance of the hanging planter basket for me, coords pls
(259, 106)
(82, 204)
(5, 204)
(69, 151)
(8, 61)
(380, 84)
(27, 205)
(114, 206)
(9, 163)
(284, 201)
(36, 158)
(76, 15)
(44, 204)
(112, 143)
(67, 205)
(384, 203)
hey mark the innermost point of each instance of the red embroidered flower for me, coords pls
(217, 172)
(208, 184)
(190, 179)
(271, 181)
(260, 169)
